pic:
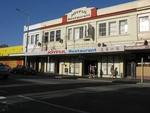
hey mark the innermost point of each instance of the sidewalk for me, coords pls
(109, 80)
(98, 79)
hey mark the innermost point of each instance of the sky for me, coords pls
(13, 21)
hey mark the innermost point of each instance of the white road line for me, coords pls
(1, 97)
(79, 111)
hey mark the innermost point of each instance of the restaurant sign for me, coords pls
(90, 50)
(77, 51)
(56, 52)
(79, 14)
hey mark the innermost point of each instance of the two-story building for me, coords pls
(88, 35)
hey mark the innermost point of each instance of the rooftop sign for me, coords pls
(79, 14)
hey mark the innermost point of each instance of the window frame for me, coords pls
(147, 25)
(102, 29)
(78, 32)
(123, 28)
(36, 38)
(52, 36)
(112, 28)
(46, 37)
(58, 35)
(32, 39)
(70, 37)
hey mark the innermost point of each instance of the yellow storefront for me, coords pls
(10, 60)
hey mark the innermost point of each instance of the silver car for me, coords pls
(4, 70)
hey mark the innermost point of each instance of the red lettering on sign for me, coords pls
(57, 52)
(117, 48)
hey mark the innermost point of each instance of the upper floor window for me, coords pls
(112, 28)
(36, 38)
(46, 37)
(70, 34)
(123, 28)
(32, 39)
(144, 23)
(78, 33)
(58, 35)
(28, 40)
(52, 34)
(102, 29)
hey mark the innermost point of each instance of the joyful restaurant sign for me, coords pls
(79, 14)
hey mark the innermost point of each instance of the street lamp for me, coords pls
(27, 34)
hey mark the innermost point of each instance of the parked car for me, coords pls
(10, 69)
(24, 70)
(4, 70)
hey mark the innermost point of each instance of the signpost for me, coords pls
(142, 72)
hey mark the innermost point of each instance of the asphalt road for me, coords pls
(45, 94)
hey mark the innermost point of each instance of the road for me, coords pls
(44, 94)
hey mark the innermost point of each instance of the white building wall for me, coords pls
(128, 39)
(28, 31)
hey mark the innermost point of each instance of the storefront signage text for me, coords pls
(82, 50)
(110, 49)
(78, 15)
(137, 47)
(57, 52)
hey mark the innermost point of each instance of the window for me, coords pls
(52, 34)
(58, 35)
(123, 28)
(46, 37)
(36, 38)
(78, 33)
(144, 24)
(28, 40)
(108, 61)
(74, 65)
(32, 39)
(81, 32)
(112, 28)
(70, 34)
(102, 29)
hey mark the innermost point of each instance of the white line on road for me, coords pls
(79, 111)
(1, 97)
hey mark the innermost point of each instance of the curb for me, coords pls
(94, 79)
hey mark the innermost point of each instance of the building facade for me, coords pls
(10, 56)
(84, 36)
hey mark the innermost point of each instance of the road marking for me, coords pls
(79, 111)
(1, 97)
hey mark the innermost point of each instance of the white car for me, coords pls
(4, 70)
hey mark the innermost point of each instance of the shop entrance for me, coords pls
(87, 63)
